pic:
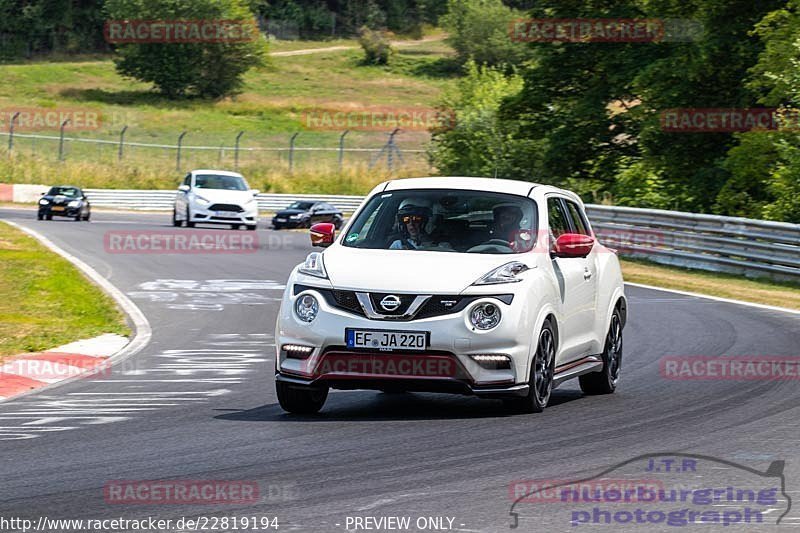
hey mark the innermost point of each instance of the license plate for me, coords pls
(57, 208)
(227, 214)
(386, 340)
(280, 220)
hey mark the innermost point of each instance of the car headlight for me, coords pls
(306, 308)
(504, 274)
(74, 203)
(485, 316)
(314, 266)
(300, 215)
(44, 202)
(202, 201)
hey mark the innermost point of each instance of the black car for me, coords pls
(305, 213)
(64, 201)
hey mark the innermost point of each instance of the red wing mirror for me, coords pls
(322, 234)
(573, 245)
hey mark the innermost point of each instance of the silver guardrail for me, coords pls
(158, 200)
(742, 246)
(754, 248)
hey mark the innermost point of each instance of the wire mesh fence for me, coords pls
(290, 157)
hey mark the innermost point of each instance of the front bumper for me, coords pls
(249, 216)
(286, 222)
(451, 336)
(71, 212)
(409, 385)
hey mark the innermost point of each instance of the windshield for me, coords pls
(445, 221)
(303, 206)
(70, 192)
(215, 181)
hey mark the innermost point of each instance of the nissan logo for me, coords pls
(390, 303)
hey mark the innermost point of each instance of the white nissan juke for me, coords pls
(490, 287)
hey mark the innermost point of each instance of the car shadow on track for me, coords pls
(371, 406)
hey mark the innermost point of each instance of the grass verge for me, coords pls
(722, 285)
(45, 301)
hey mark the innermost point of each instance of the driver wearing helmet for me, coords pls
(506, 227)
(412, 218)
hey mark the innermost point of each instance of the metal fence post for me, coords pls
(291, 152)
(61, 140)
(121, 142)
(180, 143)
(11, 133)
(391, 148)
(341, 149)
(236, 152)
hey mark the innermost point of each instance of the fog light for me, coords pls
(493, 361)
(306, 307)
(297, 351)
(485, 316)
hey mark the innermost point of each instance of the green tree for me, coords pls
(592, 108)
(766, 165)
(207, 69)
(479, 30)
(476, 143)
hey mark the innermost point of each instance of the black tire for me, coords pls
(540, 379)
(175, 222)
(605, 382)
(276, 227)
(235, 226)
(39, 217)
(252, 227)
(48, 217)
(88, 216)
(78, 217)
(300, 401)
(189, 223)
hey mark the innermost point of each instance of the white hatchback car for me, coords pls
(215, 197)
(480, 286)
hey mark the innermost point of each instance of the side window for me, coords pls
(578, 218)
(366, 230)
(556, 217)
(187, 180)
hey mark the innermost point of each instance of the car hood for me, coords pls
(219, 196)
(289, 212)
(408, 271)
(61, 199)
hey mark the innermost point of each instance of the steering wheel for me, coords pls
(496, 242)
(490, 246)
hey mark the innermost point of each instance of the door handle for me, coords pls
(587, 274)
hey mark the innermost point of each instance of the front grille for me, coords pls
(442, 305)
(226, 207)
(405, 302)
(437, 305)
(347, 300)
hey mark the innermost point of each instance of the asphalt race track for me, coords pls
(198, 403)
